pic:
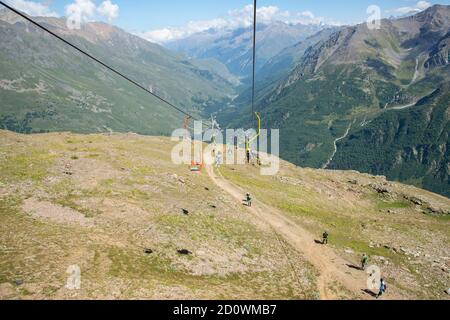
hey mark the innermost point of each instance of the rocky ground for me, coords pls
(116, 207)
(405, 230)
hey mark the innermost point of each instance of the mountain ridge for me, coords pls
(234, 47)
(73, 82)
(350, 78)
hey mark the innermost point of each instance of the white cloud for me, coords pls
(265, 14)
(173, 33)
(423, 5)
(86, 10)
(307, 14)
(418, 7)
(307, 17)
(285, 14)
(244, 17)
(32, 8)
(108, 10)
(83, 10)
(236, 18)
(163, 35)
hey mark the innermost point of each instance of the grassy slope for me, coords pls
(390, 228)
(80, 96)
(127, 189)
(131, 194)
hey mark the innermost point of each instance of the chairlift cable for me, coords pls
(254, 58)
(94, 59)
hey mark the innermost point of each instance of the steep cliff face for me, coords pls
(314, 57)
(440, 54)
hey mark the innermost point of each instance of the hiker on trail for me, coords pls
(249, 200)
(383, 288)
(364, 261)
(325, 238)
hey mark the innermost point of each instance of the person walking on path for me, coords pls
(248, 200)
(364, 261)
(325, 237)
(383, 288)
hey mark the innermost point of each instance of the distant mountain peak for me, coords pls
(436, 15)
(9, 16)
(232, 47)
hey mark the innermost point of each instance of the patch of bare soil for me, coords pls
(118, 211)
(163, 292)
(87, 173)
(3, 192)
(7, 290)
(55, 213)
(221, 262)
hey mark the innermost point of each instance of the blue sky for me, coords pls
(161, 19)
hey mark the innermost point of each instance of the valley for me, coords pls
(94, 206)
(312, 81)
(353, 74)
(47, 86)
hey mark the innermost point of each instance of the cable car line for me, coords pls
(254, 57)
(95, 59)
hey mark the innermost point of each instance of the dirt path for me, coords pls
(332, 268)
(409, 105)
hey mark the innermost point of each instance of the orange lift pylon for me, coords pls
(196, 164)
